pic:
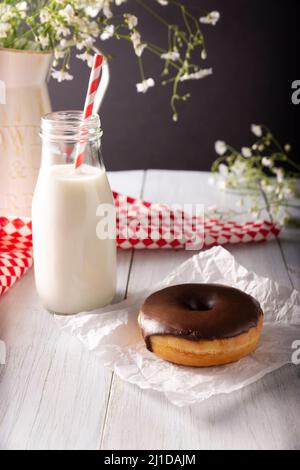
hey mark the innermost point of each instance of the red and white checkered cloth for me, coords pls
(16, 237)
(15, 251)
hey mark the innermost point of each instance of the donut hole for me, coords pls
(195, 304)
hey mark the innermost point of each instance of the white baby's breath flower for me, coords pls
(108, 32)
(92, 10)
(144, 86)
(223, 170)
(212, 18)
(67, 13)
(66, 43)
(106, 8)
(239, 167)
(287, 148)
(61, 75)
(58, 54)
(92, 29)
(131, 20)
(66, 24)
(86, 57)
(171, 55)
(267, 187)
(137, 43)
(6, 13)
(267, 162)
(85, 43)
(44, 41)
(246, 152)
(278, 184)
(22, 8)
(203, 54)
(256, 130)
(44, 15)
(197, 75)
(280, 196)
(220, 147)
(4, 28)
(279, 172)
(62, 31)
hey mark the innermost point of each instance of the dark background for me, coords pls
(253, 51)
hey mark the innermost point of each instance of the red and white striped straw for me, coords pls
(89, 103)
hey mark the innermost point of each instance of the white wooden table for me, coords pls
(56, 395)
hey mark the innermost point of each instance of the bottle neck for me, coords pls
(61, 134)
(70, 126)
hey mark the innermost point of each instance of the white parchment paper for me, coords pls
(113, 334)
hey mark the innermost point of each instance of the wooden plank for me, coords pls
(290, 245)
(264, 415)
(53, 393)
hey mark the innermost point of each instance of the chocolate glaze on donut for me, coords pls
(198, 312)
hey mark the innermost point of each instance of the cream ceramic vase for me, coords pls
(24, 99)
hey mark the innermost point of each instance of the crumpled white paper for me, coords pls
(113, 334)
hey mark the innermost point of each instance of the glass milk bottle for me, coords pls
(74, 248)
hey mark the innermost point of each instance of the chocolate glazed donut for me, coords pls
(201, 324)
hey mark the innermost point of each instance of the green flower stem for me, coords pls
(170, 62)
(170, 38)
(159, 49)
(184, 38)
(275, 141)
(141, 67)
(192, 17)
(279, 147)
(283, 157)
(293, 164)
(245, 174)
(185, 19)
(170, 80)
(153, 13)
(175, 96)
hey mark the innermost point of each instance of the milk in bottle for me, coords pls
(75, 270)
